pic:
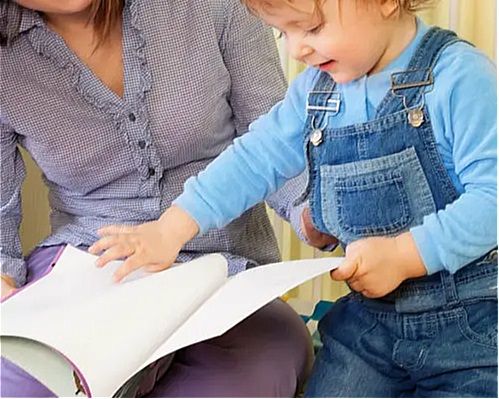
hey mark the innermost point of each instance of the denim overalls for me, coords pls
(432, 336)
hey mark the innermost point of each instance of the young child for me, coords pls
(395, 123)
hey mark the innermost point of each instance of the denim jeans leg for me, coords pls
(355, 360)
(462, 358)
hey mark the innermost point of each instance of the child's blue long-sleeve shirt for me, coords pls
(462, 108)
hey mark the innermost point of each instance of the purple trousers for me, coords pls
(269, 354)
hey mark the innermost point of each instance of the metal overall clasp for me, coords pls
(332, 106)
(415, 115)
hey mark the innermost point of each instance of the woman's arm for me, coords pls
(250, 55)
(12, 176)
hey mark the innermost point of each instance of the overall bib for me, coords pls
(432, 336)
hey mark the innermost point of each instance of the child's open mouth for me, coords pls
(325, 66)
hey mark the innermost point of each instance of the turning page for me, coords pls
(240, 296)
(106, 330)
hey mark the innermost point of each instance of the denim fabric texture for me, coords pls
(434, 336)
(436, 340)
(381, 177)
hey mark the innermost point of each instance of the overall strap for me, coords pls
(322, 101)
(408, 87)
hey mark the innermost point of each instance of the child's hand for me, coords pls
(376, 266)
(153, 245)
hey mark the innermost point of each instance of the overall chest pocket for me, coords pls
(380, 196)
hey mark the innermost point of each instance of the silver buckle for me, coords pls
(333, 104)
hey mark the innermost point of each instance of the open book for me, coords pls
(75, 323)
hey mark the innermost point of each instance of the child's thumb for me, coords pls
(345, 271)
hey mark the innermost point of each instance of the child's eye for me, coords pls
(278, 34)
(315, 30)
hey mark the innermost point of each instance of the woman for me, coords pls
(119, 102)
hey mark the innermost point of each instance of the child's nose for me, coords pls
(298, 49)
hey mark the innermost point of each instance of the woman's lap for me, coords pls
(268, 354)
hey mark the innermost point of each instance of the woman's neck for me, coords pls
(74, 24)
(104, 59)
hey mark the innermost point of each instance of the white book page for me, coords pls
(42, 362)
(106, 329)
(241, 296)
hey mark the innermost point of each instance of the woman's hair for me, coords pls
(104, 14)
(256, 6)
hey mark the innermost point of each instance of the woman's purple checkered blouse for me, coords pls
(196, 74)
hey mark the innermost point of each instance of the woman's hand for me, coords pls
(376, 266)
(153, 245)
(8, 286)
(314, 237)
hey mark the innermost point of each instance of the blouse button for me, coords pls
(132, 117)
(142, 144)
(151, 172)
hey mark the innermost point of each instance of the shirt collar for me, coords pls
(29, 19)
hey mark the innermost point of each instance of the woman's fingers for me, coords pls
(8, 286)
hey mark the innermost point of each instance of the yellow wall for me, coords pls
(476, 21)
(35, 224)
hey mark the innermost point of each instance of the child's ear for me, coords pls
(389, 8)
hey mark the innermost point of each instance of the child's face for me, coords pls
(352, 39)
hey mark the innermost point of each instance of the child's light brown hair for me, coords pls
(256, 6)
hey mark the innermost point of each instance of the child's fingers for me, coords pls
(115, 252)
(369, 294)
(156, 267)
(132, 263)
(104, 243)
(115, 229)
(345, 271)
(355, 285)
